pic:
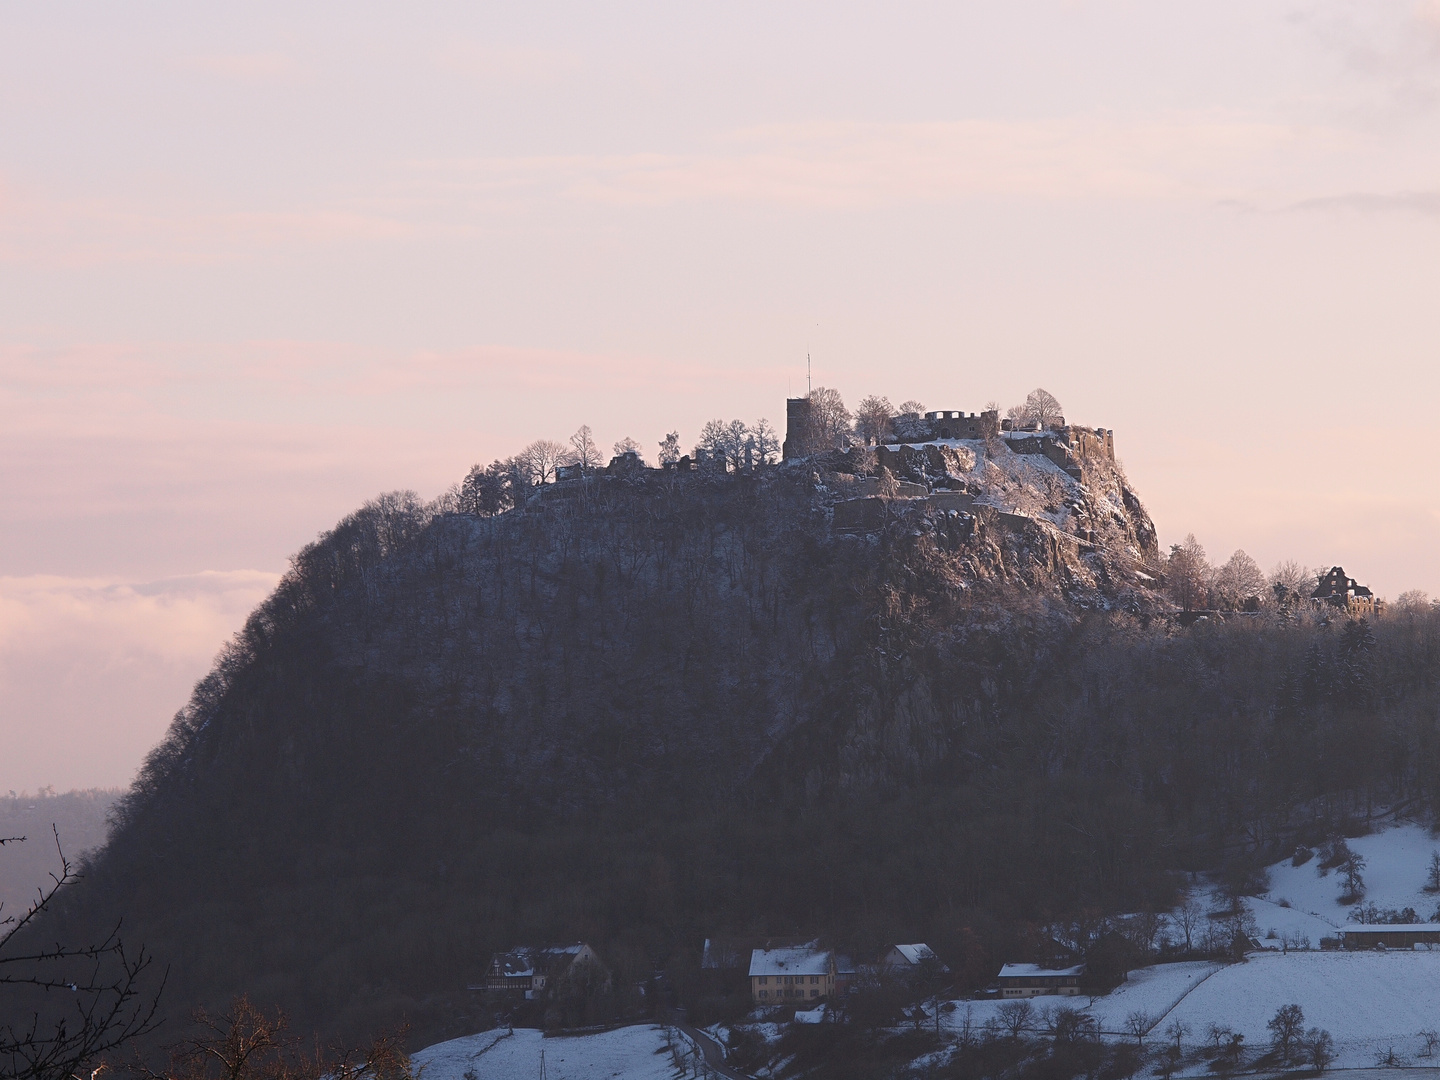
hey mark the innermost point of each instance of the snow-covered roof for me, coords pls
(915, 953)
(527, 961)
(1014, 970)
(1391, 928)
(801, 961)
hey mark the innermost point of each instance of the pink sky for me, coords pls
(259, 264)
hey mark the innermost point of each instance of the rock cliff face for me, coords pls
(1002, 515)
(599, 716)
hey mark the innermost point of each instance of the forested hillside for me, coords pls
(640, 711)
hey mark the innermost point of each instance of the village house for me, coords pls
(904, 959)
(1033, 980)
(532, 972)
(790, 976)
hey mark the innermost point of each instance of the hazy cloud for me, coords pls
(1200, 157)
(1425, 203)
(91, 670)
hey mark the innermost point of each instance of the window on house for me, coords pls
(764, 993)
(814, 979)
(764, 979)
(814, 993)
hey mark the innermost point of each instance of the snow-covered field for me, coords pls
(1396, 862)
(1368, 1001)
(1152, 990)
(636, 1053)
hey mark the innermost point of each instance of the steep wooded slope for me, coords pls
(640, 711)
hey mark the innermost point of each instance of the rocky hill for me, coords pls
(915, 693)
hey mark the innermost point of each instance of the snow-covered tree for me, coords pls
(1238, 580)
(1413, 600)
(1187, 574)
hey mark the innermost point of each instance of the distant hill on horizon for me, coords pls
(77, 816)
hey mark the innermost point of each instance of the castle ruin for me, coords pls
(1067, 445)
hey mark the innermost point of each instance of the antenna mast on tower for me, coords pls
(808, 390)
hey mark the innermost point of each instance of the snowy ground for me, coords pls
(1368, 1001)
(635, 1053)
(1152, 990)
(1396, 863)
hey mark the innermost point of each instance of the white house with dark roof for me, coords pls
(1033, 980)
(791, 976)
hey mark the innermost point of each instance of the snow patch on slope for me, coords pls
(1396, 862)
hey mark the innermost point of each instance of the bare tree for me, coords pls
(1177, 1029)
(1319, 1048)
(1137, 1024)
(99, 1004)
(723, 441)
(1188, 917)
(583, 451)
(1286, 1028)
(245, 1043)
(872, 419)
(829, 420)
(1043, 408)
(628, 445)
(1290, 582)
(767, 443)
(540, 459)
(1015, 1016)
(1141, 930)
(670, 448)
